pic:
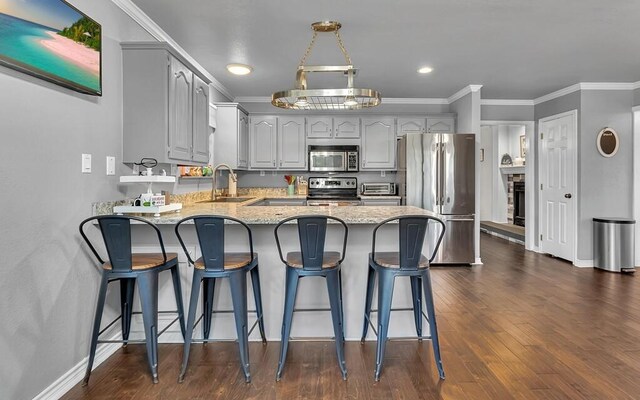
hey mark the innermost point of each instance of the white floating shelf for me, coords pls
(147, 179)
(512, 170)
(155, 210)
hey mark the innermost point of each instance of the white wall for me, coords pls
(48, 282)
(486, 173)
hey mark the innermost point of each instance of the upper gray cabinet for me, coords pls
(346, 127)
(378, 144)
(165, 106)
(231, 137)
(426, 125)
(333, 127)
(201, 130)
(263, 138)
(411, 125)
(319, 127)
(292, 152)
(277, 143)
(441, 125)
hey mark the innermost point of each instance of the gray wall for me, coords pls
(600, 177)
(558, 105)
(507, 113)
(636, 97)
(47, 281)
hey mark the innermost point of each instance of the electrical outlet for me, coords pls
(136, 169)
(274, 173)
(383, 173)
(261, 173)
(111, 165)
(86, 163)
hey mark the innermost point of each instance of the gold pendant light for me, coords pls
(348, 98)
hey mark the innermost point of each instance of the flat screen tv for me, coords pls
(52, 40)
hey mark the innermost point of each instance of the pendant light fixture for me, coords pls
(347, 98)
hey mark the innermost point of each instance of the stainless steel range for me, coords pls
(333, 192)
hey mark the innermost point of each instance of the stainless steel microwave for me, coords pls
(333, 158)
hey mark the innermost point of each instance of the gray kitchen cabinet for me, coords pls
(441, 125)
(346, 127)
(411, 125)
(292, 149)
(319, 127)
(165, 106)
(201, 128)
(263, 138)
(380, 202)
(378, 143)
(231, 137)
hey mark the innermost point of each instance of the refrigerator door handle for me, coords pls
(443, 173)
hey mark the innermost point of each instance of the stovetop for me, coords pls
(333, 188)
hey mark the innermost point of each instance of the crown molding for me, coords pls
(414, 101)
(588, 86)
(505, 102)
(146, 23)
(463, 92)
(636, 85)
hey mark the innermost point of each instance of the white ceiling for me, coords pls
(516, 49)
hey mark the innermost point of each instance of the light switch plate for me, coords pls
(383, 173)
(86, 163)
(261, 173)
(111, 165)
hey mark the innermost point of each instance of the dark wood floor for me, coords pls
(522, 325)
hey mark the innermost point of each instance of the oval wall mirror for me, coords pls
(608, 142)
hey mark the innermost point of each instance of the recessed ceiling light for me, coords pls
(239, 69)
(425, 70)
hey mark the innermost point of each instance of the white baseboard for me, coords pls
(72, 377)
(583, 263)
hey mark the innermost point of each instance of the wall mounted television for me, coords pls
(52, 40)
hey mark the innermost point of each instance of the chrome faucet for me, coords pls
(233, 178)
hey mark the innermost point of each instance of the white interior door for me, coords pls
(558, 185)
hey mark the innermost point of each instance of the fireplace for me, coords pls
(518, 203)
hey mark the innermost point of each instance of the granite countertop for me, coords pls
(266, 215)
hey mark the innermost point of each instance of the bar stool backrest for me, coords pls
(116, 233)
(210, 231)
(412, 230)
(312, 232)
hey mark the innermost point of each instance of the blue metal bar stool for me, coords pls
(312, 260)
(129, 268)
(410, 262)
(213, 264)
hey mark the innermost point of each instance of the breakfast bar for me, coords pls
(262, 219)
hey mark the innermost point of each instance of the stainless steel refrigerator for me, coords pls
(436, 171)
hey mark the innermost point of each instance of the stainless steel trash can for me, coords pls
(613, 244)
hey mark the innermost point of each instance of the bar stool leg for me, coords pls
(127, 289)
(238, 283)
(333, 286)
(289, 304)
(257, 295)
(341, 303)
(191, 319)
(96, 326)
(177, 290)
(416, 295)
(208, 288)
(371, 281)
(385, 295)
(431, 313)
(148, 291)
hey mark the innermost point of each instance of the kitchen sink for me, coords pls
(228, 200)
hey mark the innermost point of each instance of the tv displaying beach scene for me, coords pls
(52, 40)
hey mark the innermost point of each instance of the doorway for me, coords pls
(506, 180)
(557, 174)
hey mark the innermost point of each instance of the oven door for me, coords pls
(328, 161)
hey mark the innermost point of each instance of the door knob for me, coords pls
(567, 195)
